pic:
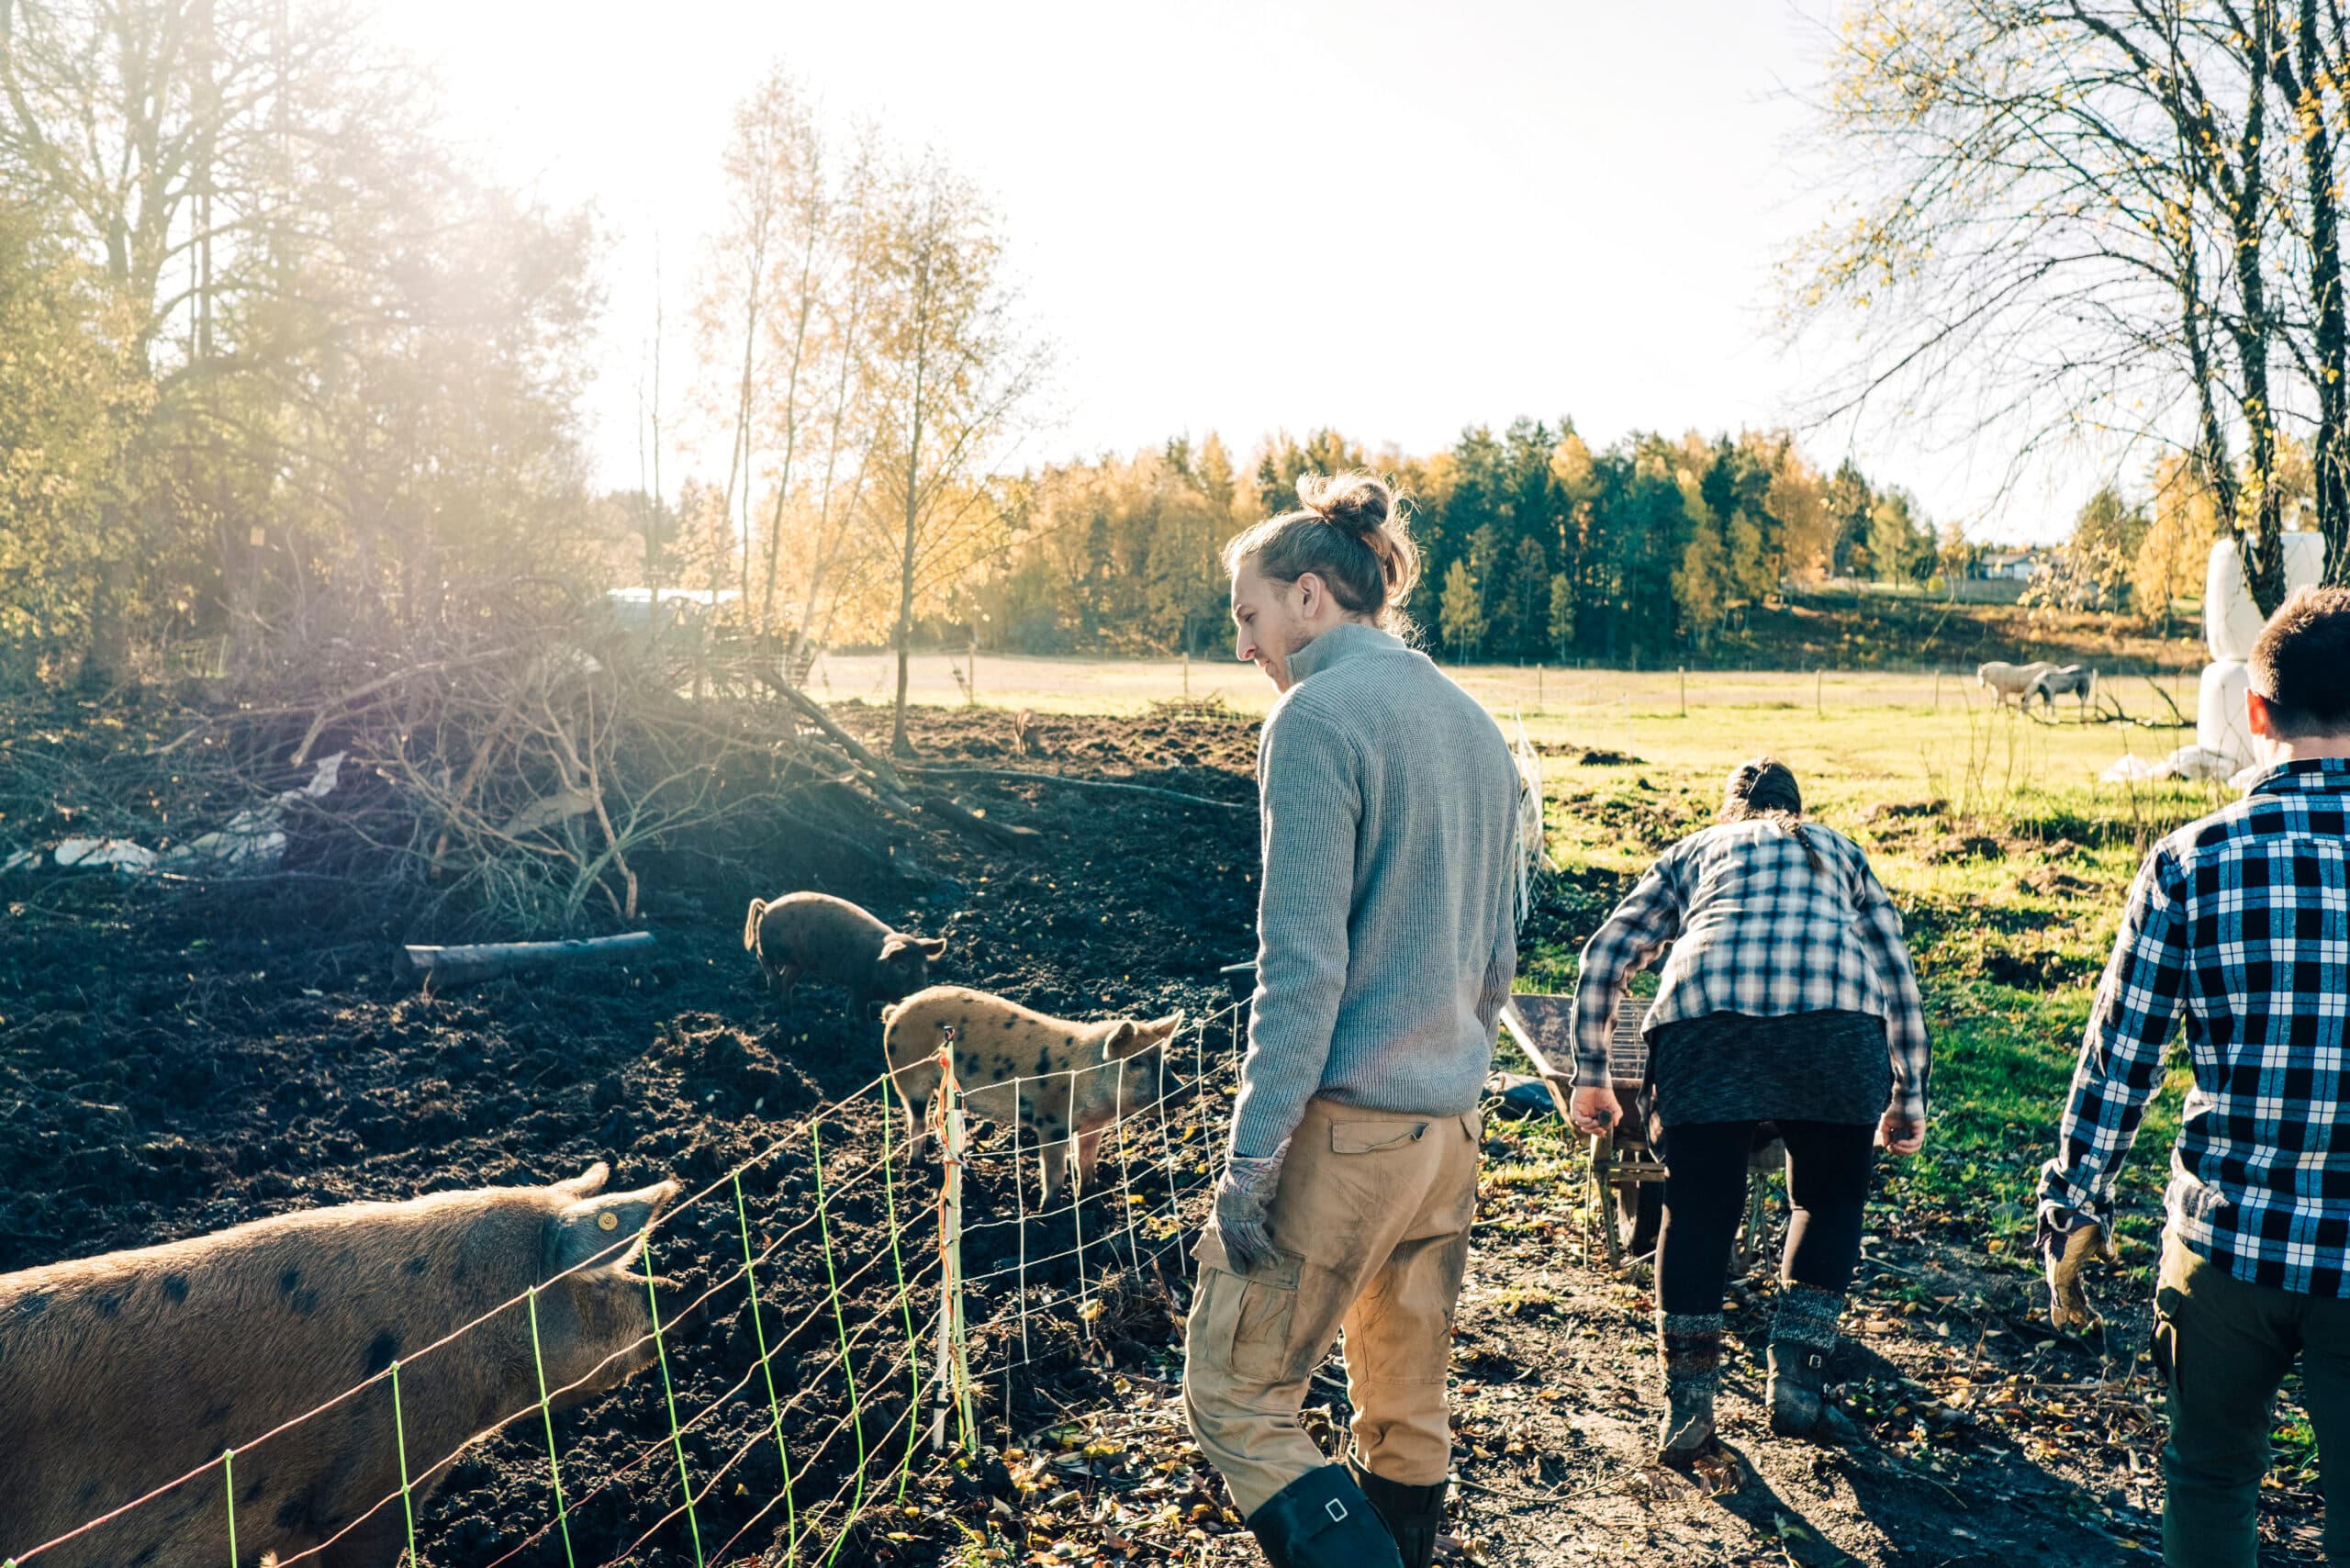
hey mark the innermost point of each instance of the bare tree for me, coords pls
(2069, 228)
(849, 424)
(957, 369)
(2309, 76)
(770, 133)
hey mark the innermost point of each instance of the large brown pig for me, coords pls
(1057, 1077)
(837, 941)
(119, 1372)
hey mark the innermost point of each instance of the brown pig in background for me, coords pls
(1055, 1076)
(120, 1372)
(835, 940)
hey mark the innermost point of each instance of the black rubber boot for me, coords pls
(1323, 1520)
(1414, 1515)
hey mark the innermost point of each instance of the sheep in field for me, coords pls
(2011, 682)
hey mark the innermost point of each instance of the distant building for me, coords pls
(2010, 565)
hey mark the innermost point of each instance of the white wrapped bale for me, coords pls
(2219, 713)
(2187, 762)
(2231, 622)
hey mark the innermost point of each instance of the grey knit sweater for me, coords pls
(1386, 926)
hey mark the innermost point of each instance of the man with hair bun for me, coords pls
(1387, 941)
(2239, 925)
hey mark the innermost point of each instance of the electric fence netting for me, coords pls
(835, 1319)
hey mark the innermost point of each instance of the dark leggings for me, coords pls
(1705, 1203)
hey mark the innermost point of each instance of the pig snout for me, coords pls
(904, 973)
(1150, 1084)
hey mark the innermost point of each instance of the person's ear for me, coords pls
(1310, 593)
(2258, 717)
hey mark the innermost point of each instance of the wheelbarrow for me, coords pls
(1627, 1176)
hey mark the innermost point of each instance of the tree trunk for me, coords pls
(790, 432)
(898, 745)
(444, 967)
(2264, 554)
(2330, 449)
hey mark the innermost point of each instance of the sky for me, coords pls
(1398, 220)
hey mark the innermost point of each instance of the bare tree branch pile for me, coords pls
(521, 776)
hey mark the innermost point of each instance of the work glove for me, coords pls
(2067, 1251)
(1244, 1202)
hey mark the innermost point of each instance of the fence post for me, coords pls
(1538, 689)
(1938, 688)
(953, 1382)
(1684, 691)
(1819, 691)
(546, 1414)
(228, 1484)
(400, 1435)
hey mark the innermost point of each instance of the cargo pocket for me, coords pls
(1246, 1321)
(1376, 1137)
(2168, 1299)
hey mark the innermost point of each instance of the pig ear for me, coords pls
(932, 947)
(1164, 1028)
(586, 1184)
(609, 1230)
(893, 944)
(1124, 1039)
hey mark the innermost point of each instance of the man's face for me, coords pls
(1269, 622)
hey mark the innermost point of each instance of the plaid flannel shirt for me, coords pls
(1756, 930)
(2240, 924)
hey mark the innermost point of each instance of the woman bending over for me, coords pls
(1787, 998)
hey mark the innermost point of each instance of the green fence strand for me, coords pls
(913, 1340)
(676, 1437)
(408, 1503)
(554, 1470)
(775, 1406)
(848, 1374)
(228, 1480)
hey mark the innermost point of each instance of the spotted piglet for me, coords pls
(1064, 1081)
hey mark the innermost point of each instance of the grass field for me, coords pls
(2008, 857)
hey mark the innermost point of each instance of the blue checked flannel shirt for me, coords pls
(1755, 930)
(2240, 924)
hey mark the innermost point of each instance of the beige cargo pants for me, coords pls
(1371, 1222)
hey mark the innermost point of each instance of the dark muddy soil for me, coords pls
(171, 1064)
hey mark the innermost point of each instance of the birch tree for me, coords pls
(957, 371)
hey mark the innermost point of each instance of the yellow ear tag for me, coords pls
(607, 1220)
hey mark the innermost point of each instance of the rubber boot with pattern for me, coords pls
(1690, 1346)
(1803, 1335)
